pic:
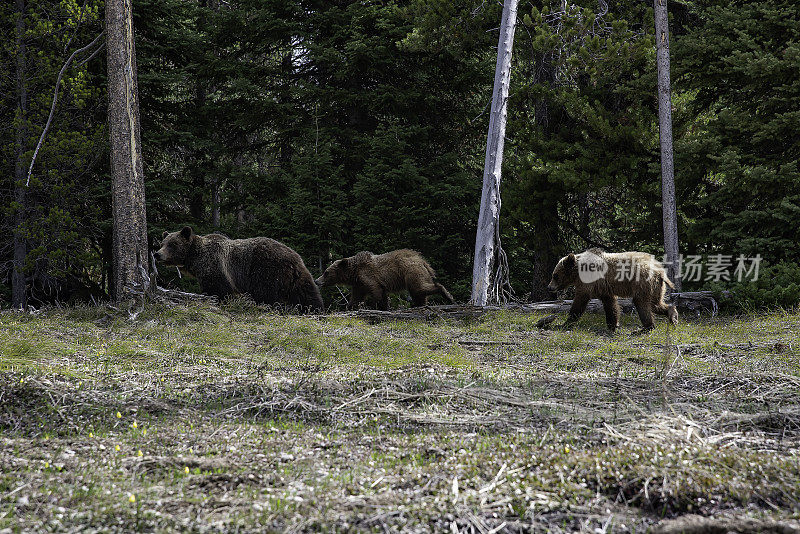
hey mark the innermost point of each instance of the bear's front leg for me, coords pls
(379, 295)
(579, 304)
(356, 297)
(383, 300)
(611, 308)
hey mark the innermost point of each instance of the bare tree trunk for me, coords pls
(489, 217)
(130, 263)
(670, 216)
(18, 286)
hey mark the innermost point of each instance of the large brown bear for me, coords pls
(267, 270)
(596, 274)
(374, 277)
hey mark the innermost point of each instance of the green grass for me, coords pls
(253, 420)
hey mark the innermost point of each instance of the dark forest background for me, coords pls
(340, 126)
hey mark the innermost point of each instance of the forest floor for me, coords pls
(198, 418)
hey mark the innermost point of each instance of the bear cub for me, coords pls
(373, 277)
(606, 276)
(267, 270)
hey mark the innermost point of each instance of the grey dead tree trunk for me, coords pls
(18, 286)
(486, 240)
(130, 265)
(670, 213)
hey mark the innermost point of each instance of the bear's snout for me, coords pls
(319, 281)
(157, 255)
(552, 287)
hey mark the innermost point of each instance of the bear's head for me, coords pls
(175, 246)
(338, 273)
(565, 274)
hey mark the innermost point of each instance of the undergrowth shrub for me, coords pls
(778, 286)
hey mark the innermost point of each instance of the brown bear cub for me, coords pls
(605, 276)
(267, 270)
(374, 277)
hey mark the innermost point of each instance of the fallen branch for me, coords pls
(173, 295)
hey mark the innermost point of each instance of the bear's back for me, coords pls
(633, 273)
(403, 268)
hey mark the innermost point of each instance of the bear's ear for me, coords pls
(344, 263)
(164, 235)
(187, 232)
(570, 260)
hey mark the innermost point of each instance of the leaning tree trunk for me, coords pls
(18, 288)
(489, 217)
(130, 222)
(670, 215)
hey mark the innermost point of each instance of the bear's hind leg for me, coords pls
(428, 289)
(668, 310)
(645, 309)
(672, 313)
(444, 293)
(418, 299)
(662, 308)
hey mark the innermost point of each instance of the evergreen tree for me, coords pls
(739, 157)
(337, 127)
(582, 154)
(60, 220)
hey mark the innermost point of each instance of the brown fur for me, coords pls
(267, 270)
(647, 289)
(374, 277)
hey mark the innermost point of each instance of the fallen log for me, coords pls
(692, 301)
(697, 301)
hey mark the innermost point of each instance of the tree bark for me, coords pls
(130, 263)
(670, 214)
(18, 285)
(489, 216)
